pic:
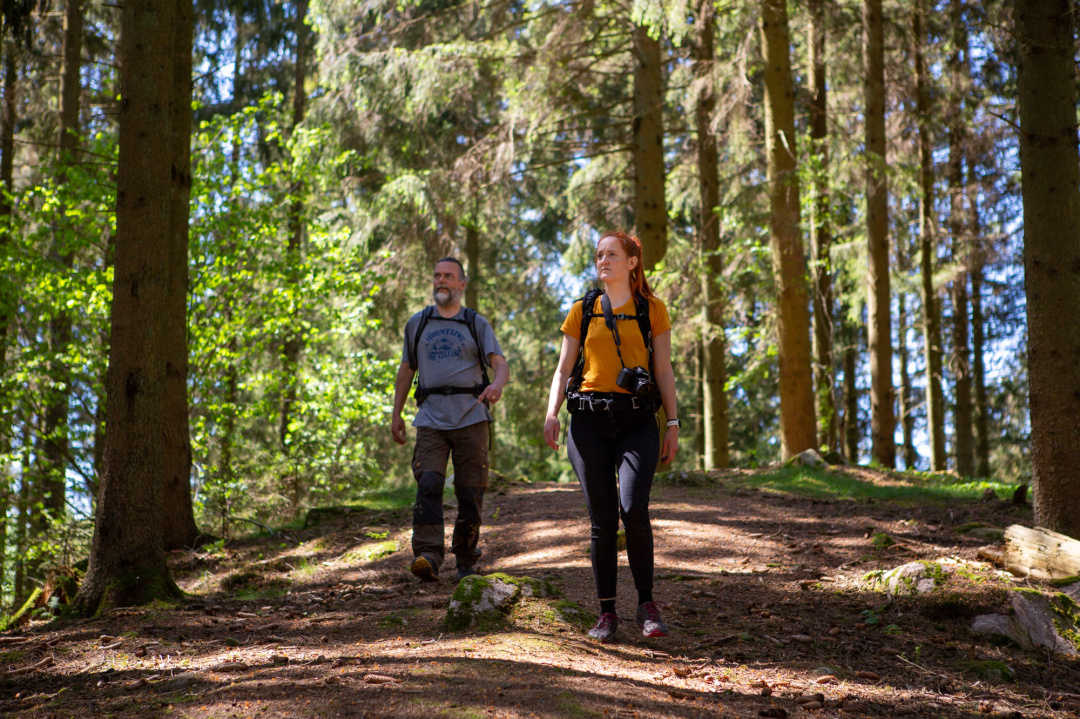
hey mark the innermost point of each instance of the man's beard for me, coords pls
(445, 297)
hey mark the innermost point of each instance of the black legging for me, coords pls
(601, 444)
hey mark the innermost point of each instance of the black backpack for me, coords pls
(573, 385)
(421, 392)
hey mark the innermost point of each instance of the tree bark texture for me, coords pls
(851, 393)
(178, 516)
(960, 363)
(821, 235)
(650, 205)
(7, 290)
(127, 558)
(882, 419)
(798, 431)
(293, 345)
(935, 400)
(907, 408)
(472, 256)
(1050, 173)
(978, 375)
(714, 375)
(55, 431)
(978, 334)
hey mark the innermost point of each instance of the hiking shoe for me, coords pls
(424, 569)
(648, 618)
(604, 631)
(463, 571)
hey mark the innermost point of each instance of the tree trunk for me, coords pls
(714, 376)
(7, 153)
(699, 402)
(882, 420)
(935, 401)
(472, 256)
(127, 558)
(178, 517)
(907, 409)
(232, 375)
(1050, 173)
(650, 206)
(58, 396)
(798, 431)
(821, 235)
(960, 362)
(22, 517)
(978, 335)
(851, 394)
(293, 345)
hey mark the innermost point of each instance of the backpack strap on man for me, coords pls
(420, 393)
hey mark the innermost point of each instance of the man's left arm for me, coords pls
(493, 392)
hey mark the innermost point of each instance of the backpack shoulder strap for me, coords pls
(425, 317)
(587, 304)
(645, 325)
(470, 321)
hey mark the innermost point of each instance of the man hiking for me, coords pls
(452, 347)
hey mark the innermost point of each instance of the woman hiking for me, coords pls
(612, 391)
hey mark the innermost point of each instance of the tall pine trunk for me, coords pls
(961, 358)
(714, 376)
(127, 558)
(978, 332)
(293, 345)
(7, 290)
(178, 517)
(850, 358)
(232, 373)
(55, 432)
(907, 403)
(472, 256)
(821, 234)
(650, 205)
(1050, 173)
(935, 400)
(882, 420)
(798, 430)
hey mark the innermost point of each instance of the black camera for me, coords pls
(637, 381)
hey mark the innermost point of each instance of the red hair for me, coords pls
(631, 245)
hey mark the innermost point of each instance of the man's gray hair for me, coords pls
(457, 262)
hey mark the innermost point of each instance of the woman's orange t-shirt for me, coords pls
(601, 361)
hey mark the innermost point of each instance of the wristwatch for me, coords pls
(675, 423)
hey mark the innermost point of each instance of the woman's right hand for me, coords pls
(551, 431)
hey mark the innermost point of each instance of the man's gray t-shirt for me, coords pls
(447, 357)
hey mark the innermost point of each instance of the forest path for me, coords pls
(765, 593)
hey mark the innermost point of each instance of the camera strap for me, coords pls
(610, 320)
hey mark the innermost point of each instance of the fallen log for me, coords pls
(1040, 553)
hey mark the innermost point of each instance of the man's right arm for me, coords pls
(402, 383)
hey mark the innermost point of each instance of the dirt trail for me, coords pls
(765, 596)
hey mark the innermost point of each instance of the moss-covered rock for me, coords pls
(1038, 621)
(909, 579)
(481, 600)
(370, 552)
(570, 613)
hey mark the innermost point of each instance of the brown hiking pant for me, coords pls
(469, 448)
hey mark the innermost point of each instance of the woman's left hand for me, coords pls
(671, 445)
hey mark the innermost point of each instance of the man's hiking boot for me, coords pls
(648, 618)
(424, 569)
(604, 631)
(463, 571)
